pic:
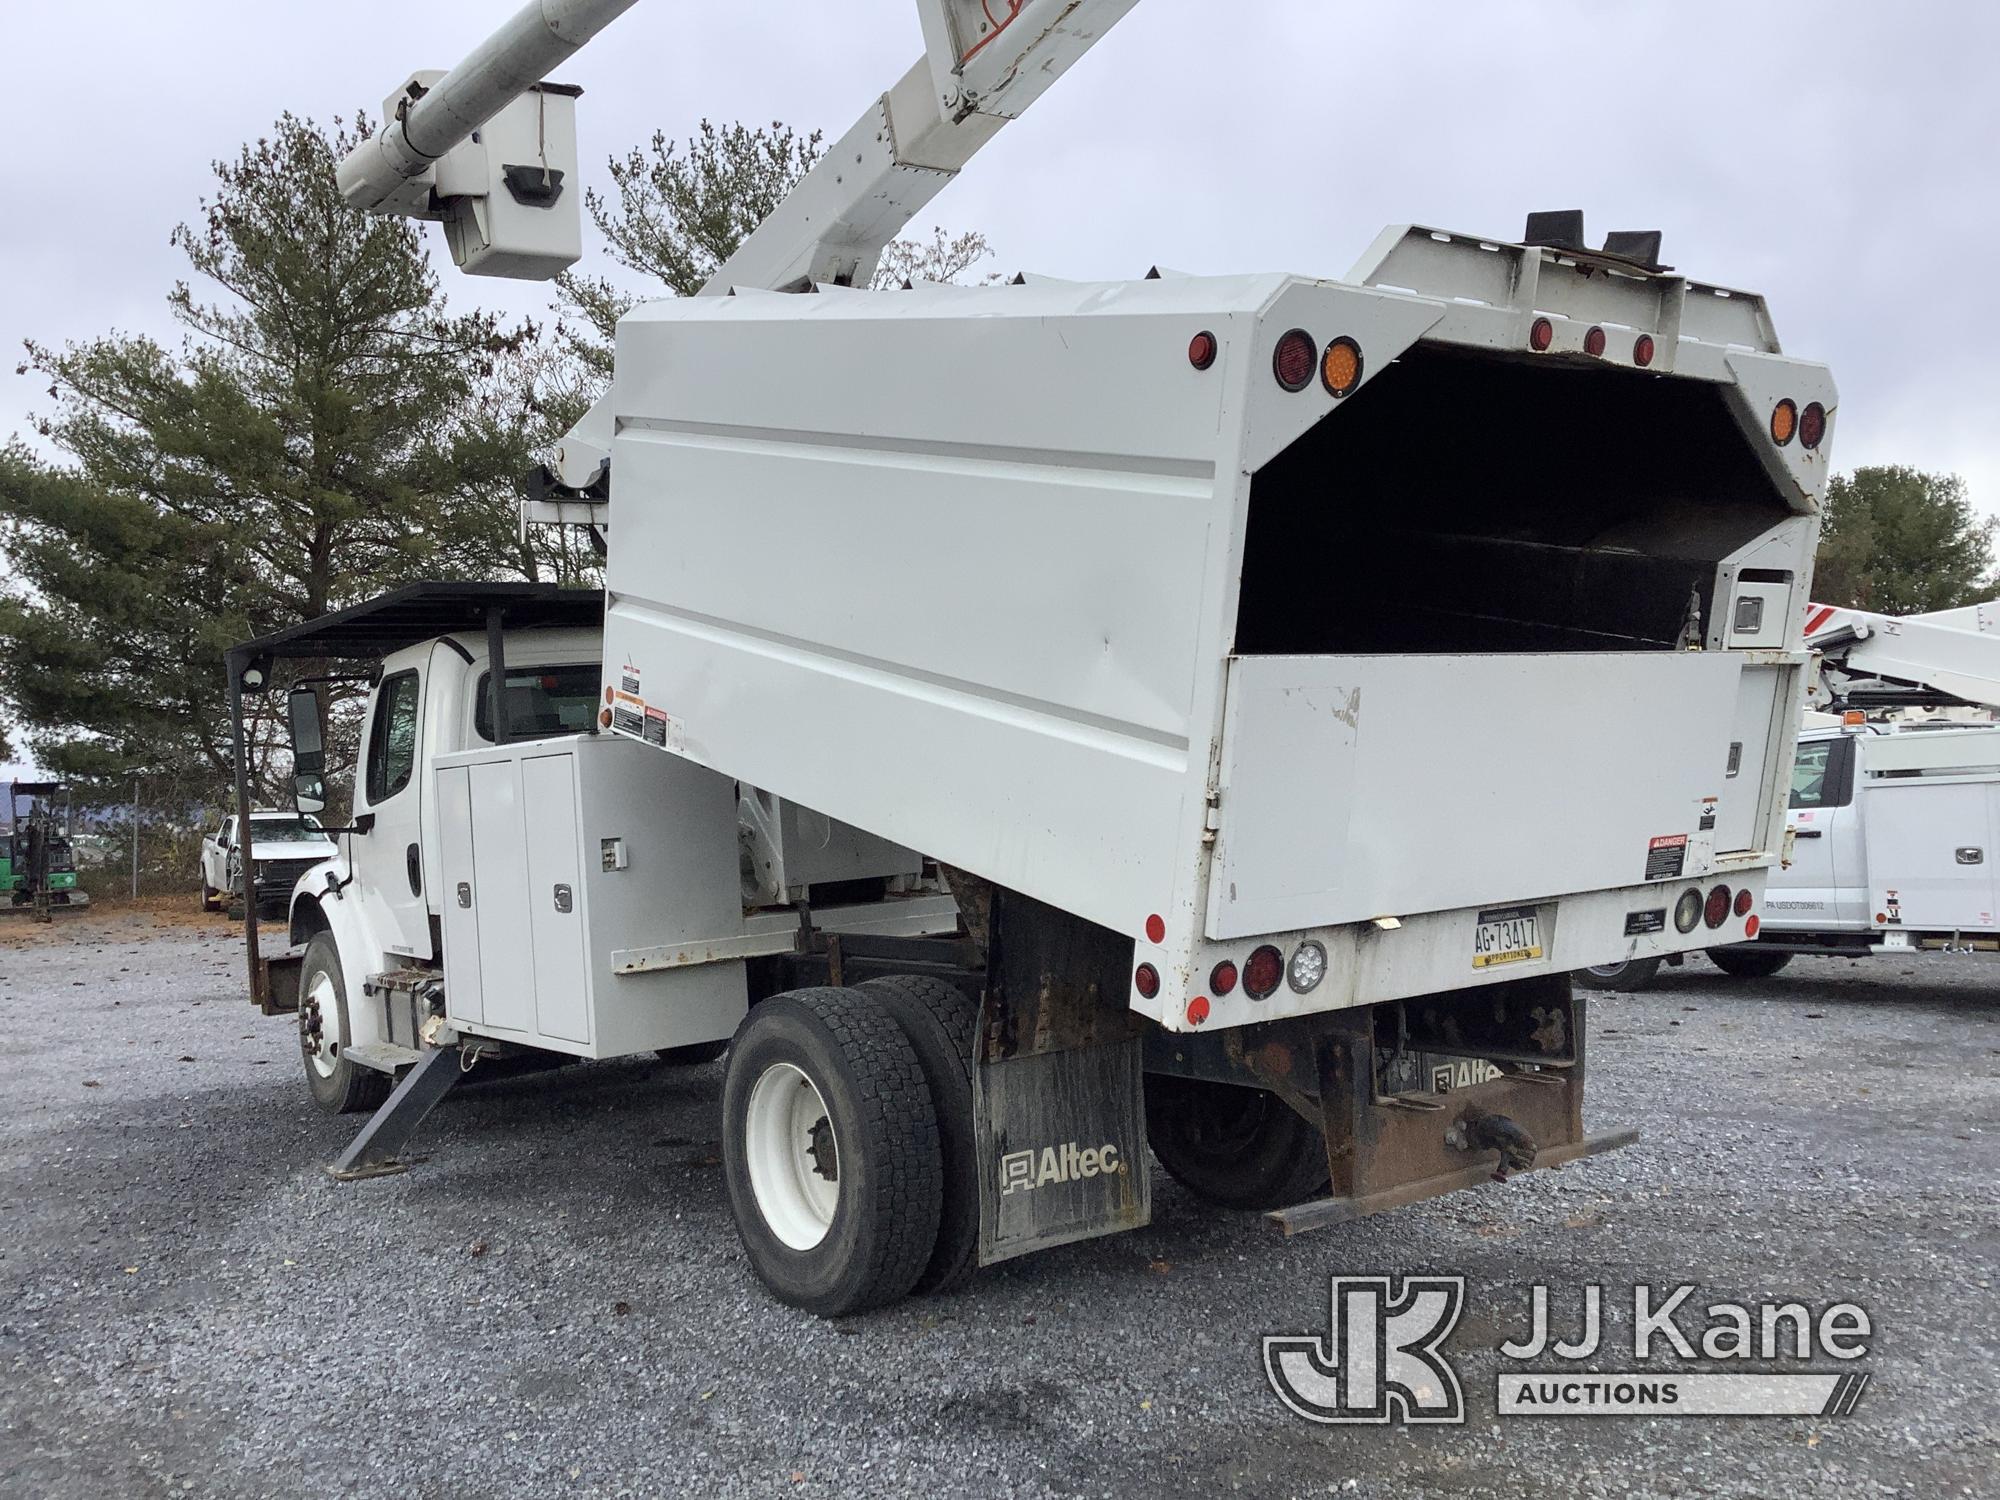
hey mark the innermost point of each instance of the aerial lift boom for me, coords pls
(985, 62)
(1949, 657)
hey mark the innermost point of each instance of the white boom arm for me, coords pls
(377, 174)
(1953, 651)
(985, 62)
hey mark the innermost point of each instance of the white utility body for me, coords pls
(1260, 661)
(1895, 819)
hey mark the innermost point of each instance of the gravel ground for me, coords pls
(554, 1303)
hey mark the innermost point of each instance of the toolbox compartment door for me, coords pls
(1354, 787)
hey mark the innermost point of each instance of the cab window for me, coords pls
(541, 701)
(392, 738)
(1819, 773)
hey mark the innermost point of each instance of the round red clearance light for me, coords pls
(1222, 978)
(1340, 367)
(1812, 425)
(1293, 360)
(1593, 343)
(1750, 928)
(1642, 350)
(1541, 334)
(1156, 928)
(1716, 912)
(1146, 980)
(1263, 973)
(1202, 349)
(1197, 1010)
(1744, 901)
(1784, 421)
(604, 718)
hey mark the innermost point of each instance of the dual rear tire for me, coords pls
(847, 1143)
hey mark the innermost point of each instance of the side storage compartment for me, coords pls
(559, 856)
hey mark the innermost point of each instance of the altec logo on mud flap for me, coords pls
(1069, 1162)
(1382, 1361)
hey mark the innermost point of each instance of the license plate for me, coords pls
(1511, 935)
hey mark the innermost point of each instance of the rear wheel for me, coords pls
(830, 1151)
(1631, 974)
(1748, 962)
(941, 1021)
(1235, 1147)
(337, 1086)
(211, 898)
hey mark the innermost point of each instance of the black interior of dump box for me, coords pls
(1464, 503)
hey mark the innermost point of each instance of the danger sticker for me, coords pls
(1666, 856)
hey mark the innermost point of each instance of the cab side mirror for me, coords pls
(302, 718)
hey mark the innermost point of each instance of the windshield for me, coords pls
(542, 701)
(285, 829)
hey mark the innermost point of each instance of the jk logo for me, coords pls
(1380, 1360)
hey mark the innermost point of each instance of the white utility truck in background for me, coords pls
(1895, 800)
(284, 846)
(1036, 720)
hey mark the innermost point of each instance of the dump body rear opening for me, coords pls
(1464, 503)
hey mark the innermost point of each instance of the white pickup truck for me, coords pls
(284, 846)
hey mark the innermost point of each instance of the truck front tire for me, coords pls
(830, 1151)
(1236, 1147)
(337, 1086)
(1748, 961)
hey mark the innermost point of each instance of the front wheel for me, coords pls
(830, 1151)
(1630, 974)
(337, 1085)
(211, 898)
(1233, 1146)
(1748, 962)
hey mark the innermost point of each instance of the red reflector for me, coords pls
(1750, 927)
(1197, 1011)
(1222, 978)
(1263, 973)
(1593, 342)
(1156, 928)
(1812, 425)
(1541, 334)
(1295, 359)
(1201, 350)
(1642, 350)
(1744, 901)
(1716, 912)
(1146, 980)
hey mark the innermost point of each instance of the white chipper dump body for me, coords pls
(1212, 657)
(1205, 713)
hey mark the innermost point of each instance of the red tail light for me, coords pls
(1202, 350)
(1541, 334)
(1295, 359)
(1812, 425)
(1744, 901)
(1263, 973)
(1146, 980)
(1593, 342)
(1642, 350)
(1716, 912)
(1222, 978)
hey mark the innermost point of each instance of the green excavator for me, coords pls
(37, 868)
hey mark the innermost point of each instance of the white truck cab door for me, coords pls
(1826, 888)
(388, 859)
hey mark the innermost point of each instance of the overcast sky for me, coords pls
(1840, 158)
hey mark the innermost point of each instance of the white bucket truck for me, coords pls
(1258, 660)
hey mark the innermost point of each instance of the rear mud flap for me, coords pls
(1062, 1147)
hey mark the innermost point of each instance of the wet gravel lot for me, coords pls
(554, 1304)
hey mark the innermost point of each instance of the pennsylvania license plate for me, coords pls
(1509, 935)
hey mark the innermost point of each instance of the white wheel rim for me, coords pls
(322, 993)
(792, 1155)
